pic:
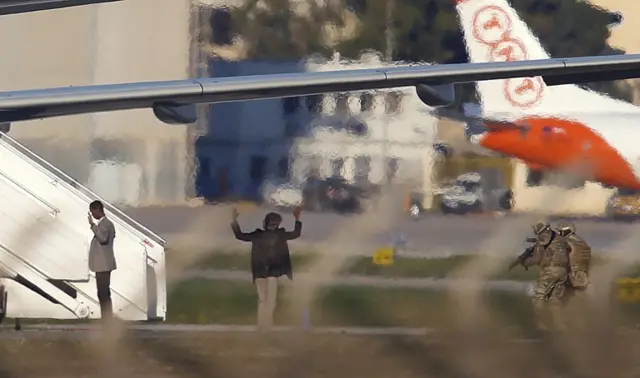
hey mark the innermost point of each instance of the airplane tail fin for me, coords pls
(494, 32)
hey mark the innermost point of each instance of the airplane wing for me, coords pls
(172, 101)
(26, 6)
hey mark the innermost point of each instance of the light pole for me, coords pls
(389, 39)
(388, 32)
(198, 67)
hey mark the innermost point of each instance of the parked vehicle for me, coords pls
(335, 194)
(472, 194)
(316, 194)
(281, 194)
(624, 204)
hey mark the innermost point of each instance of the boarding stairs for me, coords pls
(44, 244)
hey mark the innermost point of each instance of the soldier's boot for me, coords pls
(557, 315)
(539, 312)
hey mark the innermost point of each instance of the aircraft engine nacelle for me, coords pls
(436, 95)
(175, 114)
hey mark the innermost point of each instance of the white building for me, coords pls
(355, 135)
(128, 157)
(131, 158)
(383, 126)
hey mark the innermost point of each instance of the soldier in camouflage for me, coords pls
(579, 265)
(550, 254)
(579, 256)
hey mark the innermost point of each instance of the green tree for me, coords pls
(273, 30)
(428, 31)
(575, 28)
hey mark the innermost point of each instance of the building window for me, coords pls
(258, 168)
(362, 168)
(392, 169)
(342, 103)
(366, 102)
(314, 104)
(392, 102)
(220, 21)
(534, 177)
(283, 167)
(336, 167)
(290, 105)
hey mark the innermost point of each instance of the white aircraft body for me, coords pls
(548, 126)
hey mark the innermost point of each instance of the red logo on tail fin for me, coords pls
(508, 51)
(492, 26)
(524, 92)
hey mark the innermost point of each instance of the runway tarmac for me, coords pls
(155, 331)
(231, 352)
(433, 233)
(180, 331)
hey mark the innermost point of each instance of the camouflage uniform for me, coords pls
(550, 253)
(579, 262)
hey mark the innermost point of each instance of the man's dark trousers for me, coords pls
(103, 283)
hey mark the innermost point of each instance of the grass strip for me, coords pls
(205, 301)
(209, 301)
(403, 267)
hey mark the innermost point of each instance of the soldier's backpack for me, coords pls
(580, 261)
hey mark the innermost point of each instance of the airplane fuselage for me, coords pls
(561, 127)
(600, 147)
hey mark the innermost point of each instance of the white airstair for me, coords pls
(44, 244)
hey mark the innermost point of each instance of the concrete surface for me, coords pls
(206, 227)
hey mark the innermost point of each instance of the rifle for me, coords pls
(523, 256)
(520, 259)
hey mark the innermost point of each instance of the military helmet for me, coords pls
(541, 227)
(272, 219)
(566, 228)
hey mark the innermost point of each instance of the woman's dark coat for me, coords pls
(269, 250)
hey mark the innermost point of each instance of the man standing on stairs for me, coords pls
(101, 257)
